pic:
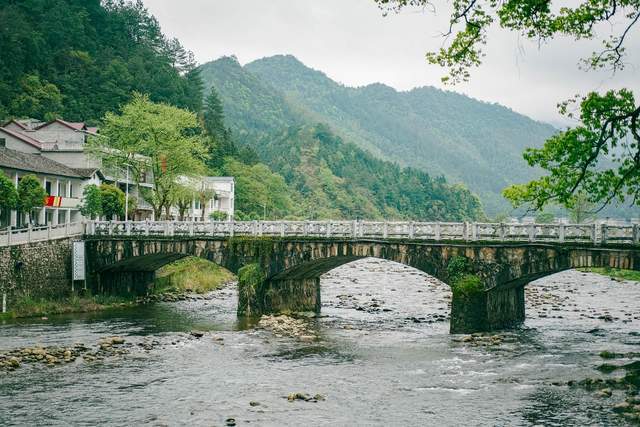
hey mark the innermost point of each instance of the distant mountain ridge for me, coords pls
(469, 141)
(332, 177)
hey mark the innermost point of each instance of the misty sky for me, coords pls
(354, 44)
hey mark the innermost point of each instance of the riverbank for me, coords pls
(173, 282)
(614, 273)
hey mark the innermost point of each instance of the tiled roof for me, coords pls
(34, 163)
(21, 136)
(86, 172)
(72, 125)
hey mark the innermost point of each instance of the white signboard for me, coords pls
(78, 260)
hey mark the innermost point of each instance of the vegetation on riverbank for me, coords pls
(614, 273)
(191, 275)
(30, 307)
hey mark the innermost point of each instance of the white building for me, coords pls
(219, 199)
(65, 143)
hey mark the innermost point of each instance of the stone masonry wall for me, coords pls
(37, 270)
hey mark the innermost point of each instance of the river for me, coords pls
(382, 356)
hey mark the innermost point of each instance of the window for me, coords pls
(3, 142)
(47, 187)
(197, 204)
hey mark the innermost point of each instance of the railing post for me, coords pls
(385, 230)
(465, 231)
(93, 228)
(191, 228)
(305, 228)
(354, 229)
(636, 234)
(9, 236)
(232, 229)
(593, 233)
(49, 232)
(474, 231)
(412, 230)
(328, 228)
(282, 225)
(146, 227)
(532, 232)
(604, 234)
(66, 229)
(437, 231)
(260, 228)
(502, 233)
(254, 228)
(561, 232)
(172, 228)
(29, 233)
(127, 228)
(110, 228)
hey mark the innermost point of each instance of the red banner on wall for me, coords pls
(53, 201)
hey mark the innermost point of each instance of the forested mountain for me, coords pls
(469, 141)
(78, 59)
(333, 177)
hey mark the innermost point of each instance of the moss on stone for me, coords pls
(250, 279)
(467, 285)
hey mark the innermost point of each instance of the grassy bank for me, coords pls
(185, 276)
(615, 273)
(191, 275)
(30, 307)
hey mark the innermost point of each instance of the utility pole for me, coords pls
(126, 197)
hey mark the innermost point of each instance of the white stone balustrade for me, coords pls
(426, 231)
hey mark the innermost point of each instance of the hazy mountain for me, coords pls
(469, 141)
(334, 177)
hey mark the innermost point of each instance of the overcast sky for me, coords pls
(354, 44)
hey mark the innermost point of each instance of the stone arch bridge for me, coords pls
(281, 272)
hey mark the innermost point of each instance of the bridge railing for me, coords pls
(11, 236)
(433, 231)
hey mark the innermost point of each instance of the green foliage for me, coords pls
(599, 158)
(80, 59)
(191, 275)
(421, 128)
(112, 201)
(218, 216)
(537, 20)
(614, 273)
(457, 267)
(91, 202)
(37, 99)
(260, 193)
(467, 285)
(8, 193)
(153, 137)
(31, 194)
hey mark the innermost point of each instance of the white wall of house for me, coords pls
(62, 136)
(16, 144)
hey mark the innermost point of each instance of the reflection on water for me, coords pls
(384, 357)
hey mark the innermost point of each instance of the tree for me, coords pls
(601, 156)
(8, 195)
(31, 195)
(156, 138)
(91, 202)
(220, 142)
(112, 199)
(37, 98)
(581, 210)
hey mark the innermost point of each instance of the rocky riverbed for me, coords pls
(378, 354)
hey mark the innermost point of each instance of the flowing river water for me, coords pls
(382, 355)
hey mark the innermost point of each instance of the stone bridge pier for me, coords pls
(279, 274)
